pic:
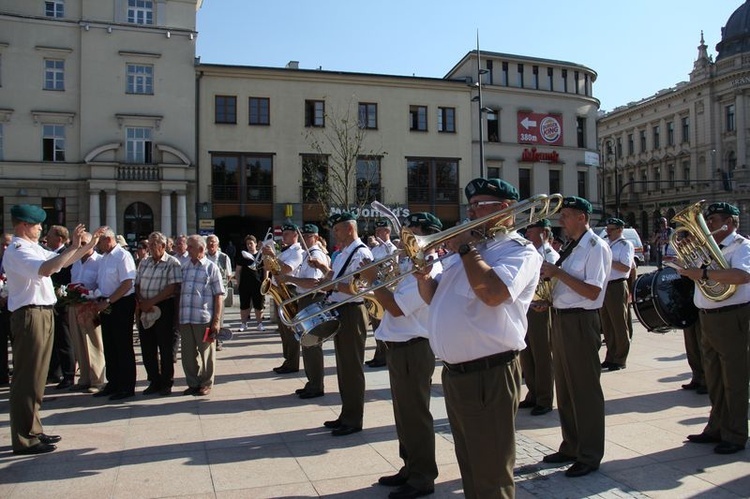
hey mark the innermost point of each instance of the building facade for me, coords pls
(686, 143)
(97, 112)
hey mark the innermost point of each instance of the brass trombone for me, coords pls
(417, 248)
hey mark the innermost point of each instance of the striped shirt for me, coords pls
(155, 275)
(201, 281)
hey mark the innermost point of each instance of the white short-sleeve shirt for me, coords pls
(591, 262)
(21, 261)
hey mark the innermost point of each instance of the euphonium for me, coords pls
(696, 248)
(278, 290)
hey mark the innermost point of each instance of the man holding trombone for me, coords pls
(411, 363)
(477, 323)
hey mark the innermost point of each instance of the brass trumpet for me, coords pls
(417, 247)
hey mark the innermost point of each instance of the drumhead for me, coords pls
(663, 300)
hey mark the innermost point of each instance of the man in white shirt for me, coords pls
(384, 249)
(221, 260)
(614, 312)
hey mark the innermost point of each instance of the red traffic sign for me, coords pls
(277, 230)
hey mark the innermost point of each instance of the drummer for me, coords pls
(725, 327)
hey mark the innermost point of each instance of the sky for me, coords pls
(637, 47)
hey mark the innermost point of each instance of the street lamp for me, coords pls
(613, 148)
(482, 110)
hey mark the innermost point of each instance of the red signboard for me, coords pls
(540, 129)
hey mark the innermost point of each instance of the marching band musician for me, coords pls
(581, 274)
(614, 312)
(411, 363)
(307, 278)
(536, 358)
(349, 343)
(290, 259)
(477, 322)
(382, 250)
(725, 327)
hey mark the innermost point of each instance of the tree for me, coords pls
(344, 172)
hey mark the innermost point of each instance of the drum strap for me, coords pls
(567, 250)
(346, 264)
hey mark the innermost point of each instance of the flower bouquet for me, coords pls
(84, 301)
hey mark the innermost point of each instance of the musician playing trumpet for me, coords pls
(725, 327)
(477, 322)
(411, 363)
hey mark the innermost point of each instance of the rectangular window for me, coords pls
(490, 73)
(670, 133)
(315, 113)
(619, 147)
(576, 78)
(550, 79)
(54, 8)
(493, 127)
(259, 111)
(418, 118)
(519, 80)
(225, 177)
(685, 129)
(258, 178)
(447, 119)
(631, 144)
(493, 172)
(729, 112)
(504, 76)
(686, 172)
(524, 182)
(554, 181)
(55, 210)
(671, 176)
(657, 136)
(141, 11)
(582, 181)
(1, 142)
(225, 109)
(53, 143)
(54, 74)
(138, 145)
(642, 134)
(535, 77)
(581, 131)
(432, 180)
(140, 79)
(565, 80)
(368, 115)
(315, 186)
(368, 180)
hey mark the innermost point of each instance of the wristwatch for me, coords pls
(464, 249)
(108, 301)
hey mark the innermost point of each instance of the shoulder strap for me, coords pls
(349, 259)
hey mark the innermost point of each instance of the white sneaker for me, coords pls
(243, 326)
(260, 327)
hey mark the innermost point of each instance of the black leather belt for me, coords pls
(578, 310)
(722, 309)
(398, 344)
(38, 307)
(621, 279)
(482, 364)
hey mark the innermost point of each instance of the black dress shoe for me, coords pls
(606, 364)
(121, 395)
(300, 391)
(701, 390)
(579, 469)
(311, 395)
(703, 438)
(106, 392)
(65, 383)
(41, 448)
(615, 367)
(728, 448)
(396, 480)
(344, 430)
(286, 370)
(557, 458)
(526, 404)
(151, 390)
(276, 369)
(48, 439)
(336, 423)
(191, 390)
(540, 410)
(407, 492)
(690, 386)
(376, 363)
(167, 390)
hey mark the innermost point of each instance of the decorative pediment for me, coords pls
(90, 157)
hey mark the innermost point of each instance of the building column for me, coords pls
(740, 130)
(112, 211)
(166, 214)
(95, 220)
(182, 213)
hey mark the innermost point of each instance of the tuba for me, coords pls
(696, 248)
(279, 291)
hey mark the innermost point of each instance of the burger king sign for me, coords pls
(540, 129)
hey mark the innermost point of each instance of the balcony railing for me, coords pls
(138, 172)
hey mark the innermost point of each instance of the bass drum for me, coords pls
(663, 300)
(315, 324)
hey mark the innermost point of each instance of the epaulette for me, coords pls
(548, 250)
(515, 236)
(17, 245)
(592, 242)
